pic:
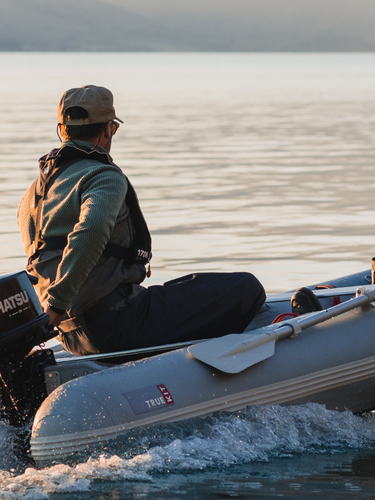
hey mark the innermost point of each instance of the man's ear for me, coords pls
(62, 130)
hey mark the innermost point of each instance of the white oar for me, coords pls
(236, 352)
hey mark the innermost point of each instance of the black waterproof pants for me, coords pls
(197, 306)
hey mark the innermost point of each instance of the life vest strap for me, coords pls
(131, 255)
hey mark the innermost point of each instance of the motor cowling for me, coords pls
(22, 320)
(23, 325)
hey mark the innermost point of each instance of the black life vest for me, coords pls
(51, 167)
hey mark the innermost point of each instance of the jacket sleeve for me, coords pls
(102, 199)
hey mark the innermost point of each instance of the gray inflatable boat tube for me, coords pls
(332, 363)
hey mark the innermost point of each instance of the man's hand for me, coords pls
(54, 317)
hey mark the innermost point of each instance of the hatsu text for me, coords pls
(14, 301)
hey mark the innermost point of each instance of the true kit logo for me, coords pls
(165, 399)
(14, 302)
(150, 398)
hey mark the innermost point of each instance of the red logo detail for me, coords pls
(168, 398)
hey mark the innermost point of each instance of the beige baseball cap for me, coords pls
(97, 101)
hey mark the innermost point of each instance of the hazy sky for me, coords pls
(187, 25)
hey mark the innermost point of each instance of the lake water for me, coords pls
(242, 162)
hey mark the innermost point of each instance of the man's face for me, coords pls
(108, 144)
(105, 138)
(113, 129)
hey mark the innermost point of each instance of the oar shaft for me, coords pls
(146, 351)
(298, 324)
(320, 316)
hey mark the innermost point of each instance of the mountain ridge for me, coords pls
(173, 25)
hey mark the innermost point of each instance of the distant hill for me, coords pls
(187, 25)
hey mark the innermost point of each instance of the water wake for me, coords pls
(257, 434)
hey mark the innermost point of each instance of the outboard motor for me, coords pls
(23, 325)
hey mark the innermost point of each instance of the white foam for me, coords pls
(256, 434)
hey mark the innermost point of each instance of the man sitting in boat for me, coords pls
(89, 247)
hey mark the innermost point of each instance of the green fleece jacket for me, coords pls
(86, 203)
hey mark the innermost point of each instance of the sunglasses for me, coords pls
(115, 126)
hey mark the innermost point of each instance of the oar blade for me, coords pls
(213, 353)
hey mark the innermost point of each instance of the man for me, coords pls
(88, 244)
